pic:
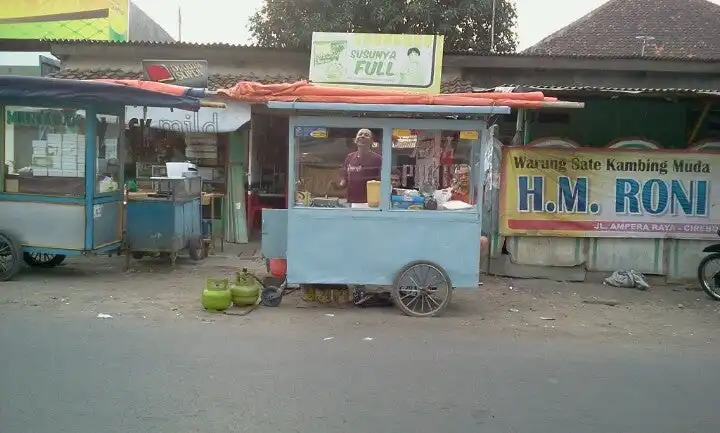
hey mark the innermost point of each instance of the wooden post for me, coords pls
(699, 123)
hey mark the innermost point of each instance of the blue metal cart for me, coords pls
(166, 221)
(419, 256)
(61, 188)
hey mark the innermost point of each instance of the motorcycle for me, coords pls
(712, 288)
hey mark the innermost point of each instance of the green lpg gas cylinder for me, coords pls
(216, 296)
(246, 290)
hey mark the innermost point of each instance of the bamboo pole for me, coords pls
(698, 124)
(211, 104)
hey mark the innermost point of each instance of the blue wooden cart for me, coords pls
(61, 188)
(419, 256)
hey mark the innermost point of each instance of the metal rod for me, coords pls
(562, 104)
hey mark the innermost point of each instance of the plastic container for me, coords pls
(373, 193)
(406, 202)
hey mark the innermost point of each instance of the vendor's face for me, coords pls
(462, 176)
(363, 139)
(395, 180)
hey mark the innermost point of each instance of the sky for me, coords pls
(226, 20)
(208, 21)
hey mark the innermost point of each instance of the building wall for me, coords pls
(26, 70)
(219, 61)
(672, 258)
(492, 77)
(604, 120)
(27, 64)
(144, 28)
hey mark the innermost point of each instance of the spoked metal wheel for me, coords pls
(422, 289)
(42, 260)
(709, 275)
(10, 257)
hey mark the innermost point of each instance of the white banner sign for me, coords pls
(409, 62)
(212, 120)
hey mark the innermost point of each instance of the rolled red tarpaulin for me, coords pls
(302, 91)
(170, 89)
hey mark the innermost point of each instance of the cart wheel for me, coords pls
(42, 260)
(271, 296)
(11, 256)
(137, 255)
(422, 289)
(196, 247)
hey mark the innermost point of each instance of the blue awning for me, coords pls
(60, 91)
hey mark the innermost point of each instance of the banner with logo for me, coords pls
(188, 73)
(402, 62)
(207, 120)
(609, 193)
(105, 20)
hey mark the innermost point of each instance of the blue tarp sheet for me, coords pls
(57, 91)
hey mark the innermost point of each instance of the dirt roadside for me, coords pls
(154, 292)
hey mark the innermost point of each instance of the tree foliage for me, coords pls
(466, 24)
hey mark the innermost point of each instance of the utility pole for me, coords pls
(179, 22)
(492, 27)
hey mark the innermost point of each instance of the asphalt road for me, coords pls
(86, 375)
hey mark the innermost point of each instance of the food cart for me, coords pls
(168, 219)
(418, 240)
(399, 241)
(61, 188)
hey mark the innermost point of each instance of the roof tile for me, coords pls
(673, 28)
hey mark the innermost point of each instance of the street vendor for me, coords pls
(360, 167)
(460, 190)
(395, 181)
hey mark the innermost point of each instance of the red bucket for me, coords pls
(277, 267)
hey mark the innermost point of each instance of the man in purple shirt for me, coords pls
(360, 167)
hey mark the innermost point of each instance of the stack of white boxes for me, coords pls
(72, 155)
(61, 155)
(111, 148)
(54, 154)
(40, 158)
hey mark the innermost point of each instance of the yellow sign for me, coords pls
(399, 62)
(319, 133)
(609, 193)
(401, 132)
(469, 135)
(65, 19)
